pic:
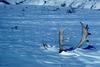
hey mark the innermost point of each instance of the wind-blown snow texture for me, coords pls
(87, 4)
(24, 28)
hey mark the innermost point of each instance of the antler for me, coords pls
(85, 34)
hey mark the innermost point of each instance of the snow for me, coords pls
(85, 3)
(21, 46)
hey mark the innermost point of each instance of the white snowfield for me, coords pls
(23, 28)
(87, 4)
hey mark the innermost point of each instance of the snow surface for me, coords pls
(23, 29)
(86, 3)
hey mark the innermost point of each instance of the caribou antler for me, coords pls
(61, 38)
(85, 34)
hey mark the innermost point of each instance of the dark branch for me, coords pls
(5, 2)
(20, 2)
